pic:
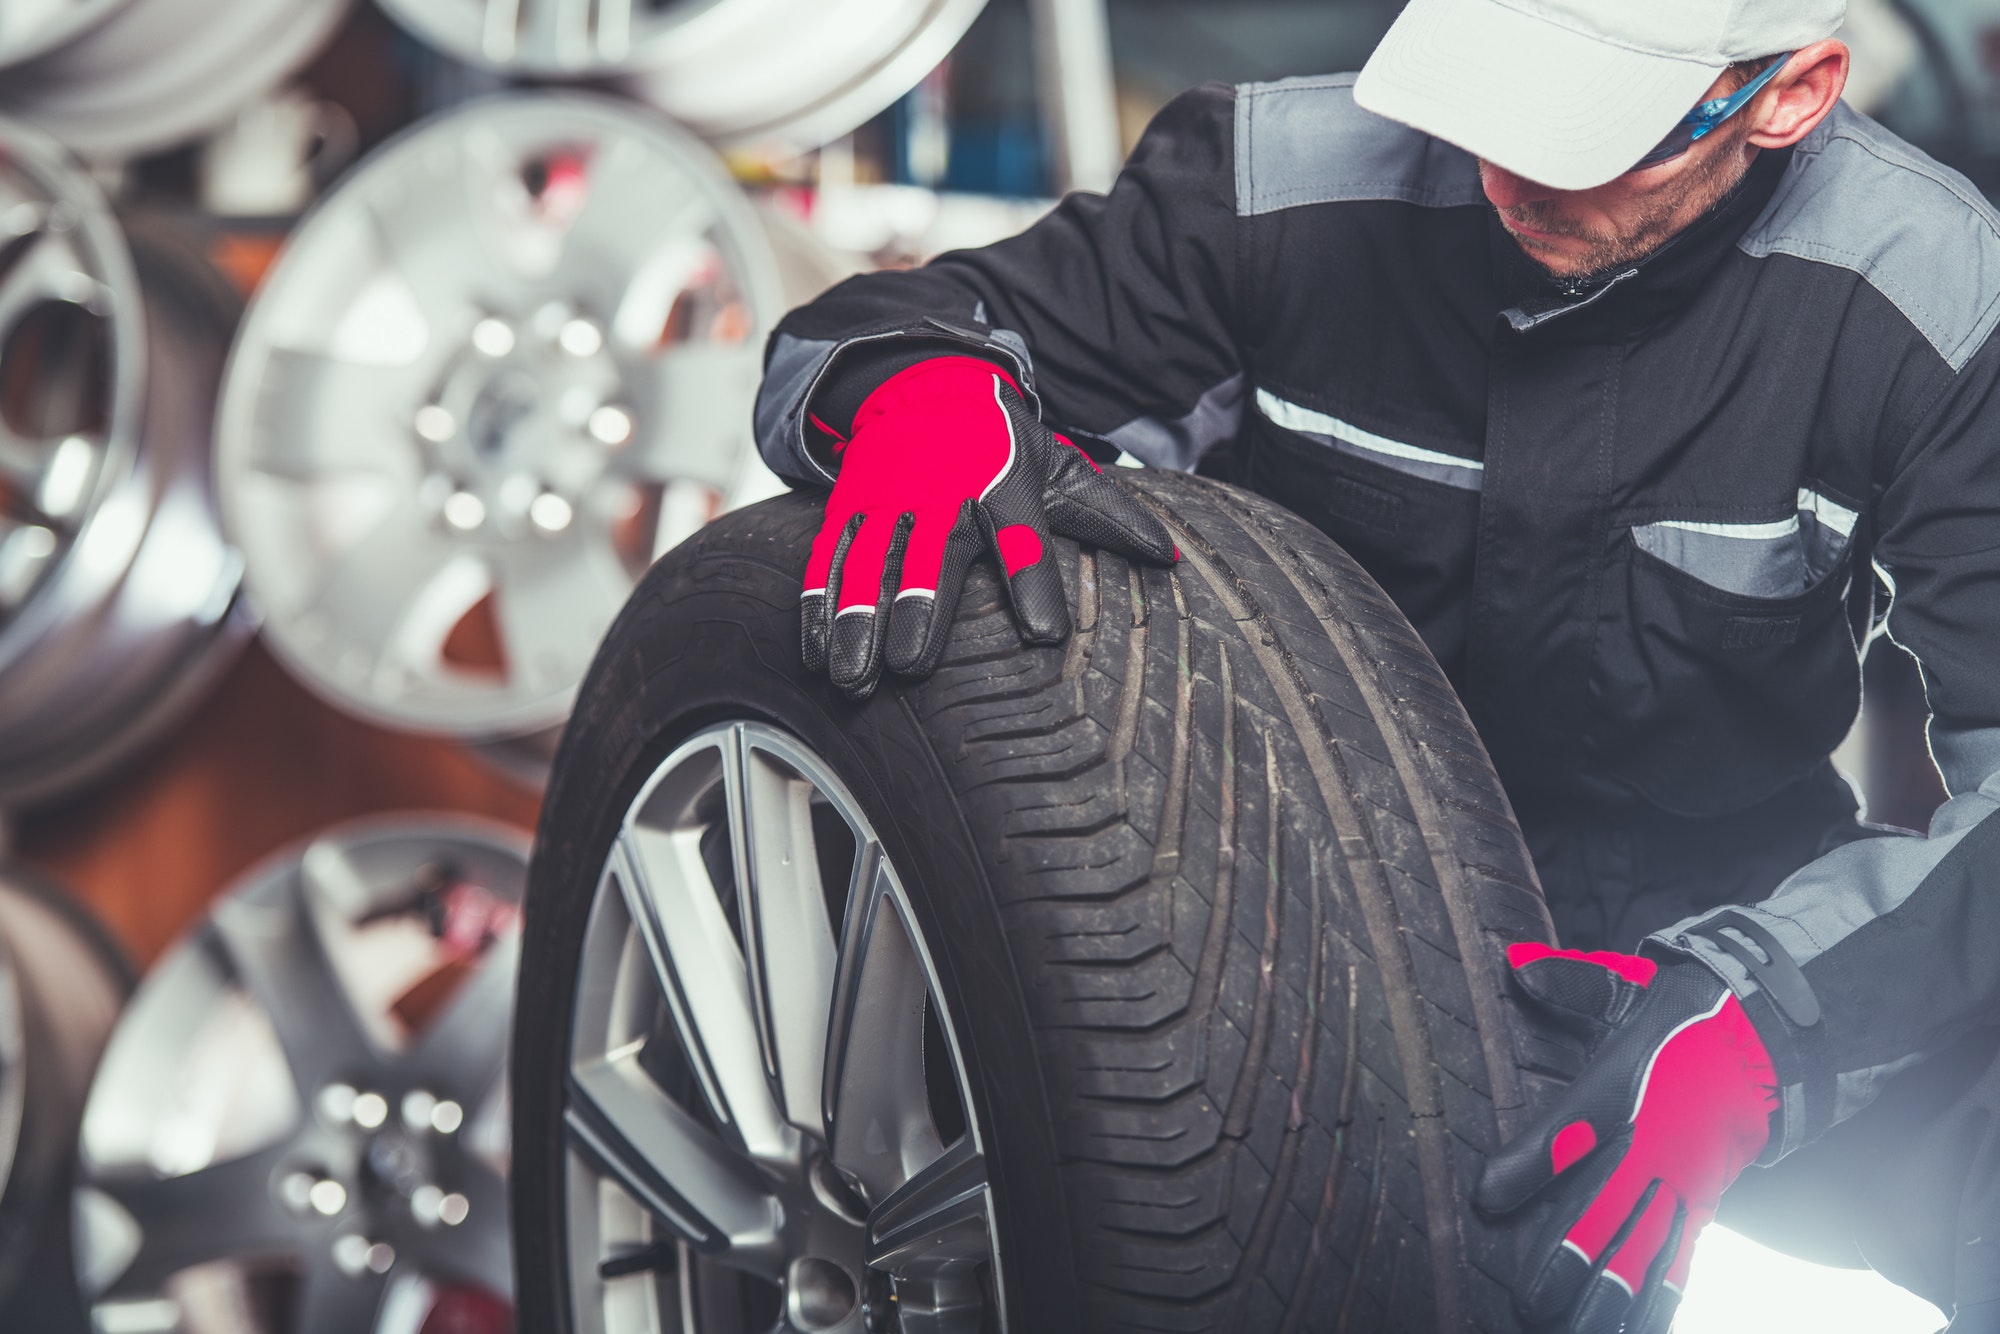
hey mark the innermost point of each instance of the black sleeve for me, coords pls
(1897, 939)
(1113, 312)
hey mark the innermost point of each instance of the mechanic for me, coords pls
(1620, 353)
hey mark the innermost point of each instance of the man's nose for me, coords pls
(1506, 190)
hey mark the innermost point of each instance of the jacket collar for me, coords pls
(1643, 292)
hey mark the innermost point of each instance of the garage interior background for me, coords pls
(268, 562)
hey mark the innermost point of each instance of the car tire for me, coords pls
(1216, 894)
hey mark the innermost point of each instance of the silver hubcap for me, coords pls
(312, 1080)
(533, 375)
(767, 1110)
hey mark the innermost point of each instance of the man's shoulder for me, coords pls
(1304, 141)
(1859, 198)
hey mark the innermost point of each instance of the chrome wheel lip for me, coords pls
(124, 1123)
(13, 1062)
(117, 299)
(78, 18)
(815, 109)
(151, 74)
(694, 60)
(538, 121)
(140, 604)
(801, 1143)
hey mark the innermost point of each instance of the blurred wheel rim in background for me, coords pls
(117, 589)
(491, 377)
(300, 1122)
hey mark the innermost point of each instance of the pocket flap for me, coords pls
(1777, 559)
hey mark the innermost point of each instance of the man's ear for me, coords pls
(1801, 95)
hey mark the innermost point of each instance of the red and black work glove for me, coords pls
(946, 460)
(1674, 1101)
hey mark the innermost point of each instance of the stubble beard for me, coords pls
(1668, 212)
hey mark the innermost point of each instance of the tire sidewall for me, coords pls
(712, 636)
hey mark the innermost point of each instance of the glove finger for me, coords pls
(920, 622)
(816, 602)
(1018, 531)
(1520, 1169)
(1555, 1270)
(862, 581)
(1034, 585)
(1587, 991)
(1659, 1296)
(1607, 1287)
(1603, 1309)
(1640, 1251)
(1084, 504)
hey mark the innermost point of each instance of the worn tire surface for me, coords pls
(1222, 885)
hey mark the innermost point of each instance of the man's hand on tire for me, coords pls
(946, 460)
(1673, 1103)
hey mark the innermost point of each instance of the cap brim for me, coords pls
(1547, 103)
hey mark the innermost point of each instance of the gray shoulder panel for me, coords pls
(1859, 198)
(1304, 141)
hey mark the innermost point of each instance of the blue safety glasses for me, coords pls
(1697, 123)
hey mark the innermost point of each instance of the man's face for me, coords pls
(1581, 234)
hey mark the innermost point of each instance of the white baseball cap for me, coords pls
(1571, 93)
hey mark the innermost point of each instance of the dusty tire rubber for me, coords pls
(69, 980)
(1218, 888)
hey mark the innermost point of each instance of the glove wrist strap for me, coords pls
(1791, 1014)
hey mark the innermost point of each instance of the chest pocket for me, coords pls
(1409, 515)
(1728, 667)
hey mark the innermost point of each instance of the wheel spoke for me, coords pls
(280, 958)
(787, 937)
(47, 269)
(377, 598)
(607, 244)
(437, 231)
(694, 953)
(464, 1053)
(561, 28)
(555, 602)
(876, 1110)
(692, 413)
(934, 1224)
(321, 415)
(332, 1302)
(676, 1169)
(217, 1213)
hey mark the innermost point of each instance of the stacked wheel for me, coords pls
(62, 984)
(1152, 981)
(298, 1126)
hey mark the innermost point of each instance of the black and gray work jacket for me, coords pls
(1635, 525)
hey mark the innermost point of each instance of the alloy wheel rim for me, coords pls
(766, 1111)
(312, 1085)
(112, 558)
(800, 71)
(28, 30)
(137, 76)
(66, 275)
(533, 376)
